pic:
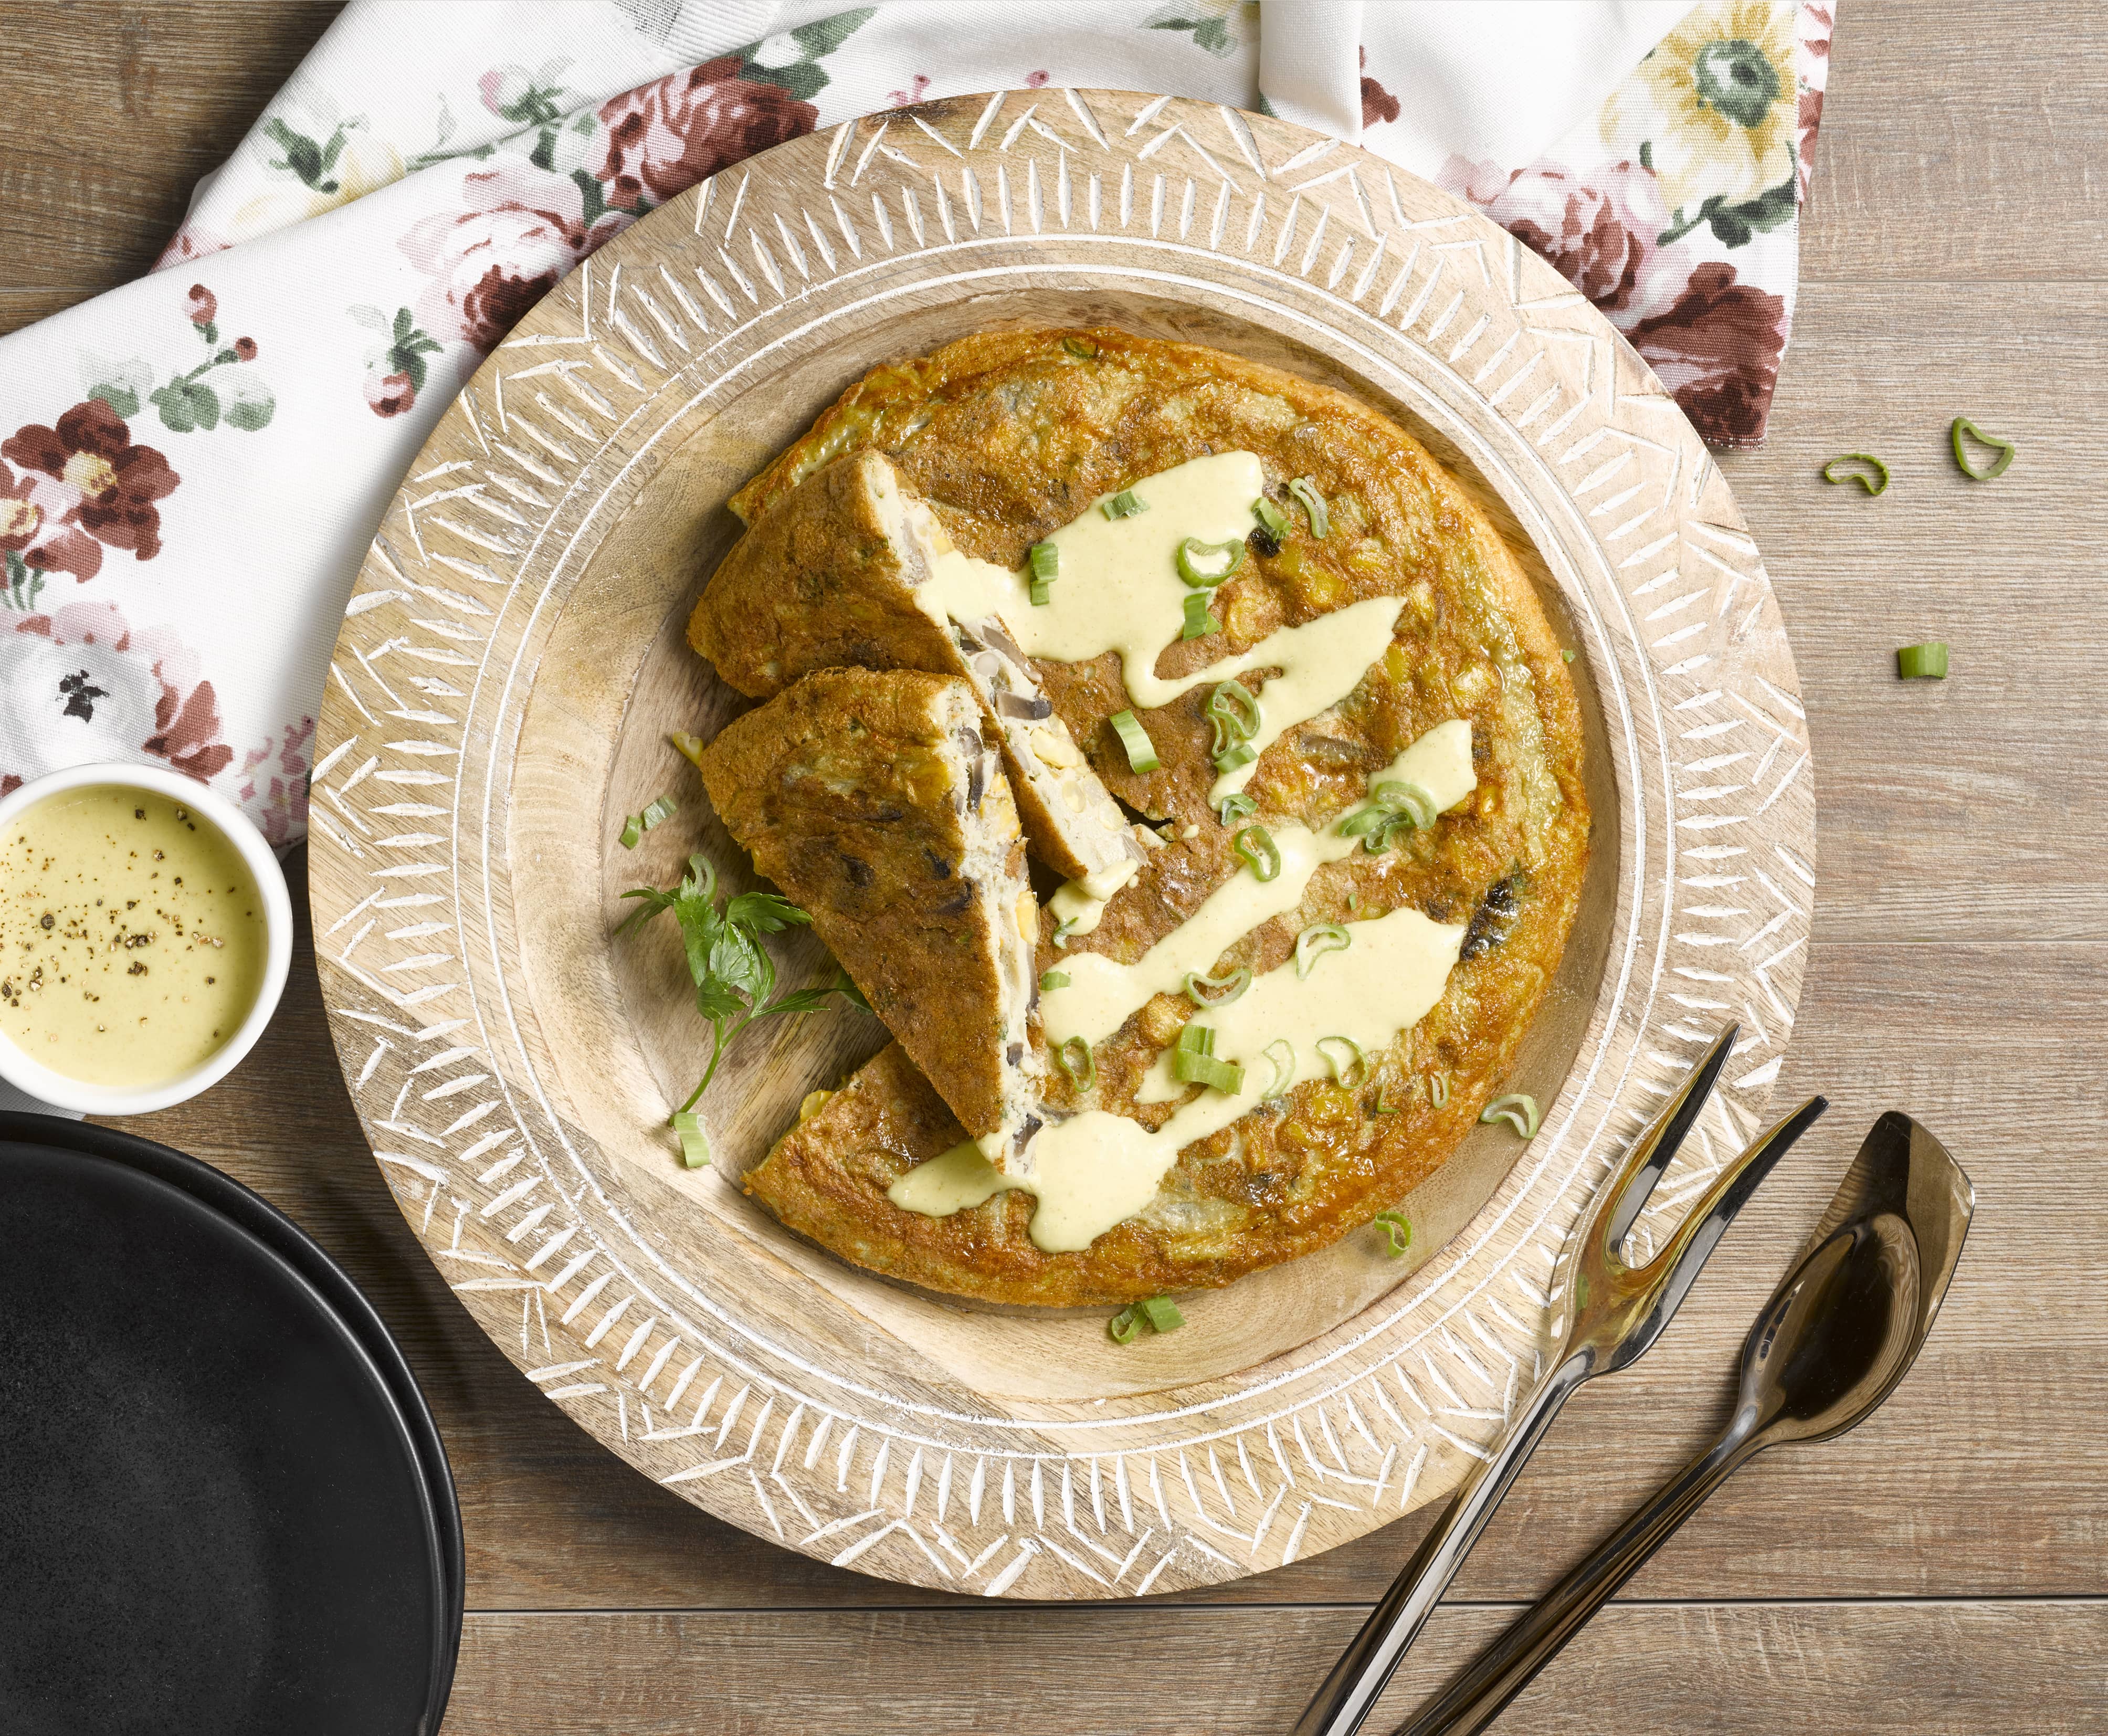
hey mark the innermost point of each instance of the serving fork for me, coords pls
(1614, 1310)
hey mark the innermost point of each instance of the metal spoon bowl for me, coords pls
(1840, 1330)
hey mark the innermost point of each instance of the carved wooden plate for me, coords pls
(499, 698)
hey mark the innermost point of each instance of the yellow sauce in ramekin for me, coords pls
(132, 937)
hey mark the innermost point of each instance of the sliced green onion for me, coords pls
(631, 832)
(1399, 1230)
(1235, 807)
(1216, 991)
(1234, 711)
(1383, 1105)
(1125, 1327)
(1063, 929)
(1317, 940)
(1925, 662)
(1272, 517)
(1232, 758)
(1202, 565)
(1517, 1109)
(1141, 750)
(1199, 622)
(1053, 980)
(1876, 483)
(1074, 1057)
(694, 1146)
(1284, 1066)
(1566, 655)
(1125, 504)
(1314, 502)
(1437, 1089)
(1081, 348)
(1255, 845)
(2004, 448)
(1190, 1067)
(1394, 806)
(1196, 1039)
(691, 747)
(1046, 566)
(1162, 1313)
(1357, 1064)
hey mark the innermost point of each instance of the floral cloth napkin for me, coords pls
(192, 465)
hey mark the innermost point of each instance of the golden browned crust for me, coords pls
(1008, 435)
(827, 580)
(856, 794)
(820, 583)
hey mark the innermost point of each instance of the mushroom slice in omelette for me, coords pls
(1367, 747)
(873, 800)
(837, 573)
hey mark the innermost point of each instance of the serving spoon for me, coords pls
(1840, 1330)
(1615, 1311)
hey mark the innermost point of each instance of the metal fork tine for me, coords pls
(1683, 1256)
(1659, 1145)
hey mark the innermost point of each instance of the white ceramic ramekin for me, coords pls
(26, 1074)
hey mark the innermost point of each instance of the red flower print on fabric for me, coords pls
(664, 137)
(91, 451)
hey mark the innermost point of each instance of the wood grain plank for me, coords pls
(132, 104)
(1980, 1478)
(1823, 1669)
(1960, 143)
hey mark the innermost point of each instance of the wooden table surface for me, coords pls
(1942, 1569)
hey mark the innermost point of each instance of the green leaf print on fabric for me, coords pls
(312, 162)
(1217, 26)
(791, 61)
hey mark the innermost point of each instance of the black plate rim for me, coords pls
(285, 1241)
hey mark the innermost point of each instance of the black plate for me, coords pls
(218, 1516)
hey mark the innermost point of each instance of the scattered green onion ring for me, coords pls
(1398, 1229)
(1046, 561)
(1162, 1313)
(1317, 940)
(631, 832)
(1083, 1074)
(1437, 1089)
(1063, 929)
(1125, 504)
(1053, 980)
(1255, 845)
(1081, 348)
(1125, 1327)
(1196, 1039)
(1234, 807)
(1199, 622)
(694, 1146)
(1190, 1067)
(1314, 502)
(1517, 1109)
(1358, 1066)
(1876, 483)
(1234, 759)
(1234, 711)
(1216, 991)
(1394, 806)
(1272, 517)
(690, 746)
(1284, 1066)
(1192, 552)
(1384, 1105)
(2004, 448)
(1925, 662)
(658, 808)
(1141, 750)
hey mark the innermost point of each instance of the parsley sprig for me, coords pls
(735, 977)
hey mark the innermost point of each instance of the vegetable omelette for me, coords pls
(1280, 634)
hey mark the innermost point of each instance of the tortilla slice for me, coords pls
(828, 580)
(872, 800)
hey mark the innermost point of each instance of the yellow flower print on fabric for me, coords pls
(1711, 111)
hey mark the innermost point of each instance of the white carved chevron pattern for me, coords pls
(1155, 1493)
